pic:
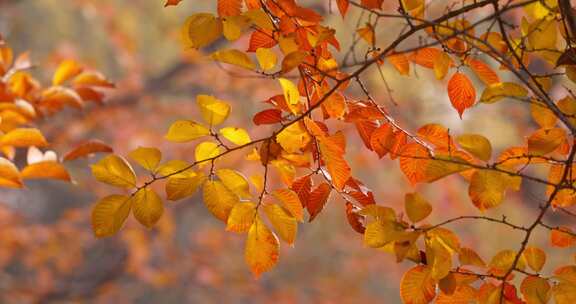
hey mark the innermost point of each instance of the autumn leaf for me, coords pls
(262, 248)
(237, 136)
(184, 185)
(488, 187)
(290, 201)
(88, 148)
(185, 131)
(461, 92)
(229, 7)
(476, 145)
(214, 111)
(109, 214)
(200, 30)
(290, 91)
(66, 70)
(23, 137)
(535, 257)
(284, 224)
(417, 207)
(241, 217)
(9, 175)
(172, 2)
(148, 158)
(218, 199)
(147, 207)
(416, 286)
(114, 170)
(234, 57)
(235, 182)
(45, 170)
(266, 59)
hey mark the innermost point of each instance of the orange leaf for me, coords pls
(45, 170)
(560, 237)
(262, 248)
(229, 7)
(87, 148)
(266, 117)
(302, 187)
(66, 70)
(343, 6)
(333, 154)
(484, 72)
(417, 287)
(400, 63)
(461, 92)
(23, 137)
(425, 57)
(317, 200)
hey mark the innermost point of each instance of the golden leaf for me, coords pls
(109, 214)
(114, 170)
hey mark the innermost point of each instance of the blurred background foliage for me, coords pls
(48, 253)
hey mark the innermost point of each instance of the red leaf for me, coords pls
(229, 7)
(261, 39)
(87, 148)
(172, 2)
(343, 6)
(461, 92)
(267, 117)
(381, 140)
(354, 219)
(366, 129)
(302, 187)
(317, 200)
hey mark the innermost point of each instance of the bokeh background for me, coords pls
(48, 253)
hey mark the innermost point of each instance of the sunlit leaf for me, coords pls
(497, 91)
(200, 30)
(544, 141)
(241, 217)
(461, 92)
(234, 57)
(23, 137)
(88, 148)
(238, 136)
(214, 111)
(266, 58)
(290, 201)
(416, 286)
(147, 207)
(45, 170)
(284, 224)
(181, 186)
(9, 174)
(186, 130)
(218, 199)
(235, 182)
(417, 207)
(535, 258)
(476, 145)
(262, 248)
(206, 151)
(114, 170)
(109, 214)
(290, 91)
(148, 158)
(66, 70)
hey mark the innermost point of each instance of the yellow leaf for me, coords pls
(439, 258)
(173, 168)
(147, 207)
(417, 207)
(467, 256)
(232, 26)
(186, 130)
(497, 91)
(235, 182)
(488, 187)
(367, 33)
(109, 214)
(234, 57)
(417, 287)
(148, 158)
(381, 232)
(290, 90)
(23, 137)
(200, 30)
(206, 150)
(441, 65)
(293, 138)
(214, 111)
(238, 136)
(285, 225)
(114, 170)
(258, 181)
(476, 145)
(503, 261)
(66, 70)
(184, 185)
(290, 201)
(241, 217)
(9, 175)
(544, 141)
(535, 258)
(45, 170)
(542, 115)
(266, 58)
(218, 199)
(262, 248)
